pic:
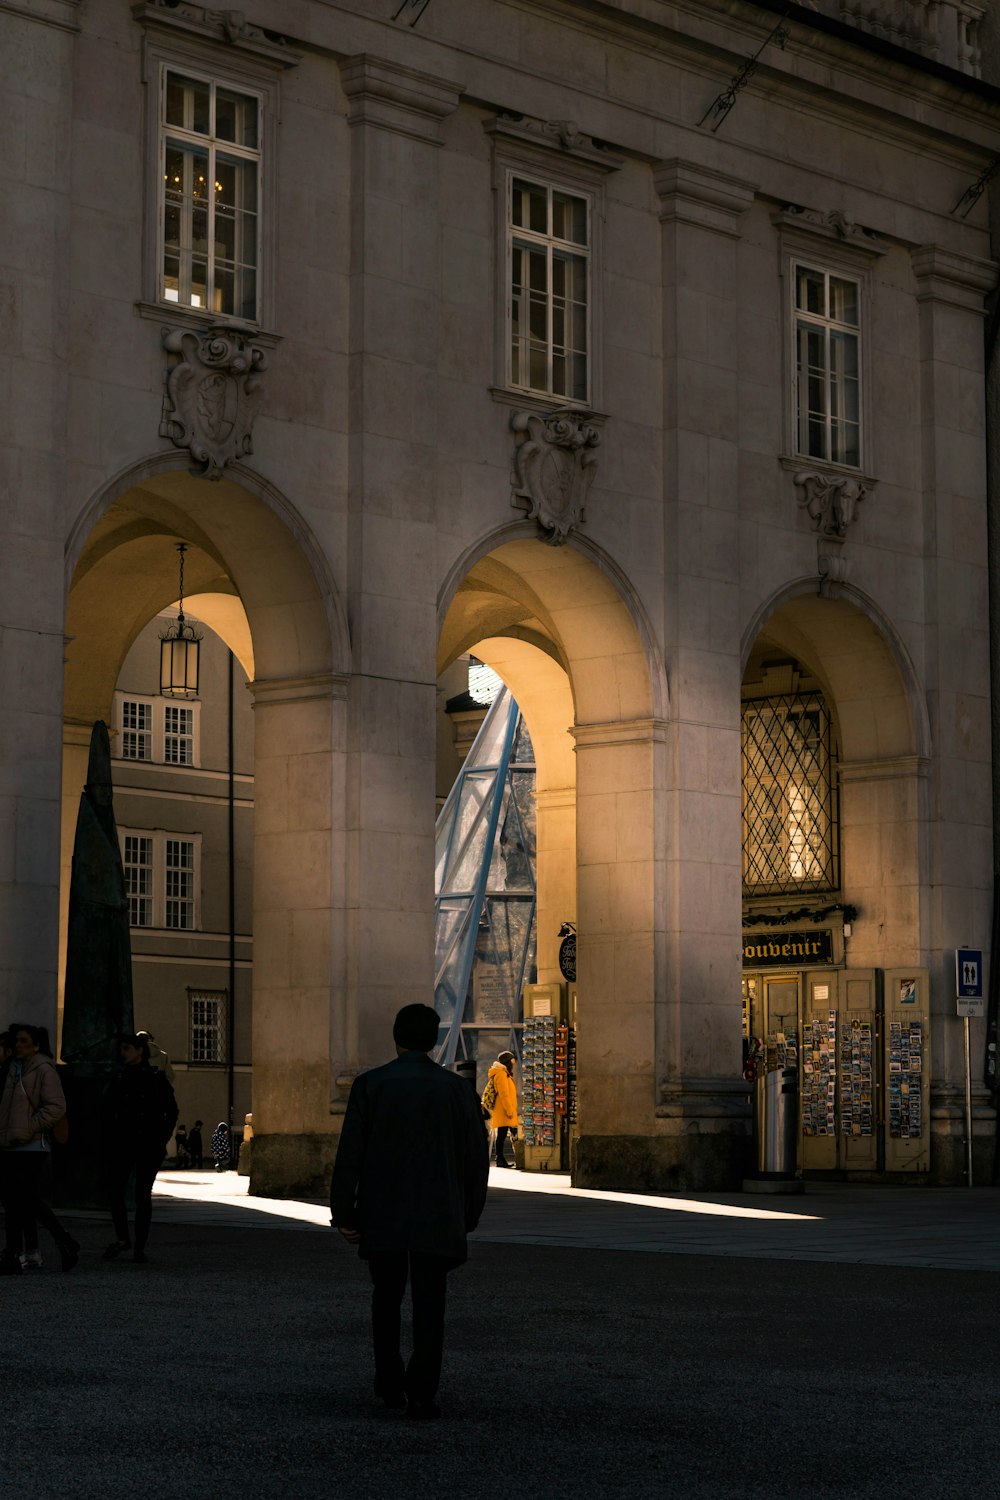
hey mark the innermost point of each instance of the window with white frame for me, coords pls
(210, 164)
(157, 730)
(178, 860)
(161, 878)
(137, 858)
(549, 240)
(208, 1015)
(827, 366)
(178, 735)
(136, 716)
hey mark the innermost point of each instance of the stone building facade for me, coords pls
(563, 334)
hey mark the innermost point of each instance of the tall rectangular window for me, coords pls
(138, 864)
(178, 735)
(549, 247)
(827, 366)
(137, 729)
(208, 1012)
(210, 166)
(178, 884)
(790, 830)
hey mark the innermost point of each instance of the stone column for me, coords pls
(703, 1109)
(620, 950)
(36, 64)
(950, 292)
(556, 866)
(299, 1002)
(396, 116)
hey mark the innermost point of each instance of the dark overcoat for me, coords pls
(412, 1166)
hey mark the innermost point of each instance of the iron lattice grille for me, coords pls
(789, 796)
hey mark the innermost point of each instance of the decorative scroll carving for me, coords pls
(832, 222)
(554, 467)
(832, 501)
(212, 395)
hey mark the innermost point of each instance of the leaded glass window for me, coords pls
(789, 795)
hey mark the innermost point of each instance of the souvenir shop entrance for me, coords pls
(858, 1041)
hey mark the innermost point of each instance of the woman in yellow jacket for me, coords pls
(503, 1117)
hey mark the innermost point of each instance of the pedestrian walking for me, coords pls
(138, 1115)
(196, 1150)
(31, 1103)
(409, 1183)
(181, 1146)
(503, 1111)
(221, 1146)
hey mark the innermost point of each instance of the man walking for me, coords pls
(409, 1184)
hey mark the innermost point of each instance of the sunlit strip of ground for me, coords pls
(559, 1185)
(226, 1188)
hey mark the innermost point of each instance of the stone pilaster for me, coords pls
(951, 289)
(36, 83)
(397, 117)
(701, 1105)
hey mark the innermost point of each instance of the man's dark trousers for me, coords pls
(428, 1290)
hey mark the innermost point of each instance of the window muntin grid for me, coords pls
(137, 730)
(178, 884)
(178, 735)
(138, 865)
(790, 829)
(549, 237)
(827, 366)
(210, 171)
(208, 1015)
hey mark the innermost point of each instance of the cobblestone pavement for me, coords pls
(596, 1347)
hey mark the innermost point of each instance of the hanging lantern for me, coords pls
(180, 649)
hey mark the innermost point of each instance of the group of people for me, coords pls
(409, 1182)
(138, 1113)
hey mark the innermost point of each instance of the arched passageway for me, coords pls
(255, 575)
(570, 643)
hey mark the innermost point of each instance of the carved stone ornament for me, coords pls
(229, 26)
(554, 467)
(843, 226)
(832, 501)
(212, 395)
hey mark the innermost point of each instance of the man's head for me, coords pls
(415, 1029)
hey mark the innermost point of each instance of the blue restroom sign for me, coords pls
(969, 981)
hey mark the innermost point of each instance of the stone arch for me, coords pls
(873, 690)
(252, 559)
(568, 635)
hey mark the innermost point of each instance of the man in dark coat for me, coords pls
(409, 1184)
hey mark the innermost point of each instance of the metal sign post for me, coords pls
(969, 1002)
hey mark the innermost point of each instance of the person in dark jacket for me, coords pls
(220, 1146)
(139, 1112)
(409, 1183)
(196, 1150)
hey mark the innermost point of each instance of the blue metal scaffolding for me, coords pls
(485, 887)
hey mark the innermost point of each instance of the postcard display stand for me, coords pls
(865, 1071)
(548, 1086)
(907, 1071)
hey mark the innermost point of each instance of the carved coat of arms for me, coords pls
(211, 397)
(554, 467)
(831, 501)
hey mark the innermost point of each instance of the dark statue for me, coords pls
(98, 995)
